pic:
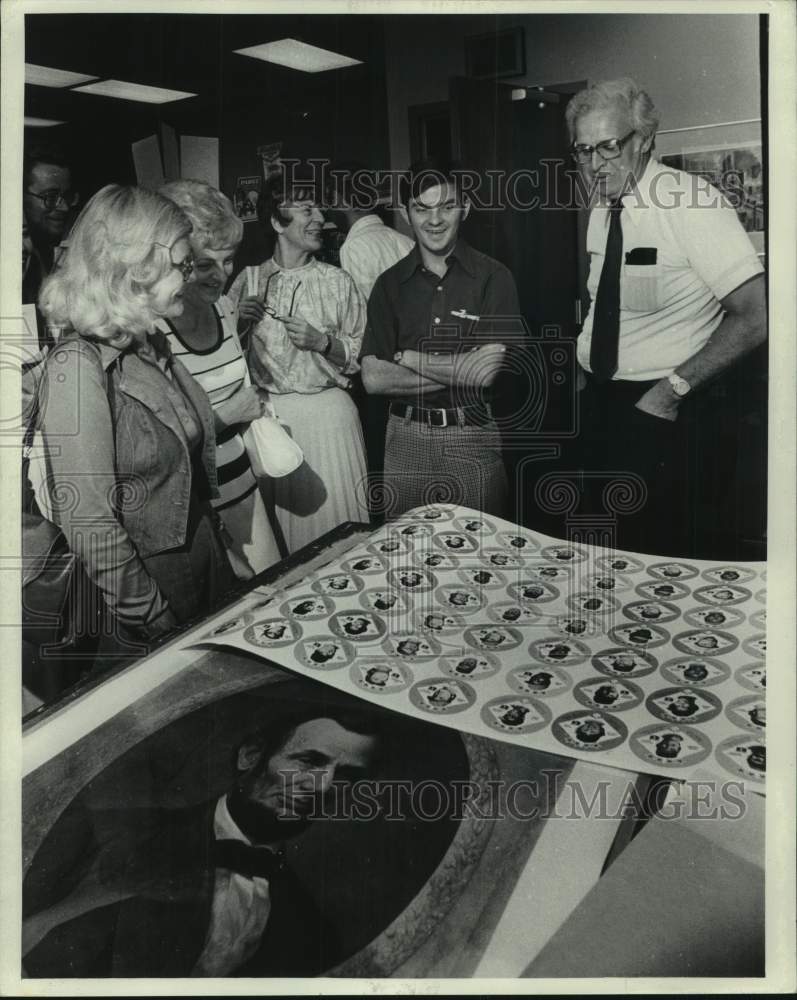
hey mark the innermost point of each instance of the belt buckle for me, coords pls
(443, 418)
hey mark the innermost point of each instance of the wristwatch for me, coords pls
(679, 385)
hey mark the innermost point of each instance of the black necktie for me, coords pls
(239, 857)
(606, 319)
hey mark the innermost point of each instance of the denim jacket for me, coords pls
(119, 467)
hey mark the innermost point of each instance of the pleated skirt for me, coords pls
(330, 486)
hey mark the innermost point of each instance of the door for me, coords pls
(524, 211)
(527, 220)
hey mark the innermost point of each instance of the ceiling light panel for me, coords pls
(46, 76)
(298, 55)
(133, 92)
(40, 122)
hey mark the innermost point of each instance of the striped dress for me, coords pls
(220, 370)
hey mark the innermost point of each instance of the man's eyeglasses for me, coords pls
(51, 199)
(609, 149)
(270, 310)
(185, 267)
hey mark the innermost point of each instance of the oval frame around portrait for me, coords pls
(221, 676)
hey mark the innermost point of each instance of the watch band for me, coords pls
(328, 348)
(679, 385)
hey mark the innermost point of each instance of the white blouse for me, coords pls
(323, 295)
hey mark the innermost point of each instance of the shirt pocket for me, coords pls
(641, 289)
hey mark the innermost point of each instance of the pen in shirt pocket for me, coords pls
(461, 314)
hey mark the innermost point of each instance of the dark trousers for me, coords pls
(634, 468)
(704, 475)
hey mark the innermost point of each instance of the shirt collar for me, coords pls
(366, 222)
(272, 265)
(224, 826)
(639, 196)
(109, 354)
(462, 254)
(408, 265)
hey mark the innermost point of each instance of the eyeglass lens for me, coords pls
(609, 149)
(51, 199)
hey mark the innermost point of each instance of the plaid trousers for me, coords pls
(460, 465)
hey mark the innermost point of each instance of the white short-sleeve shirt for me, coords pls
(370, 248)
(684, 250)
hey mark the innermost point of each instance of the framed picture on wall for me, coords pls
(729, 156)
(430, 130)
(496, 54)
(247, 193)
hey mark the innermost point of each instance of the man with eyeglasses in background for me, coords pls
(677, 298)
(48, 212)
(48, 199)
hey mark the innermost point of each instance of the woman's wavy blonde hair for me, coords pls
(118, 250)
(215, 225)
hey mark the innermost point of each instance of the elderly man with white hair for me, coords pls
(677, 298)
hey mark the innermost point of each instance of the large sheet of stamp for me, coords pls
(643, 663)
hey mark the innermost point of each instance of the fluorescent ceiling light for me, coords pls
(298, 55)
(40, 122)
(133, 92)
(45, 76)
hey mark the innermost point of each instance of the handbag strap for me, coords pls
(35, 370)
(38, 370)
(244, 354)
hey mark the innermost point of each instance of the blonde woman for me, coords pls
(203, 337)
(128, 433)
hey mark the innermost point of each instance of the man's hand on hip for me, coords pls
(660, 401)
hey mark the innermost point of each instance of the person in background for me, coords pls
(305, 320)
(32, 277)
(31, 266)
(128, 434)
(48, 199)
(436, 340)
(369, 248)
(677, 299)
(203, 337)
(48, 203)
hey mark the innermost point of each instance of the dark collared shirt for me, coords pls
(411, 308)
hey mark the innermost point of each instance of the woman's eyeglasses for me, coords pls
(609, 149)
(270, 310)
(52, 199)
(185, 267)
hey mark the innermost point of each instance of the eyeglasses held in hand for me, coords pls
(270, 310)
(51, 199)
(609, 149)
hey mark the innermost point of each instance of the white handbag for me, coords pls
(271, 450)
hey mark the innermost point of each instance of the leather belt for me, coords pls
(473, 416)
